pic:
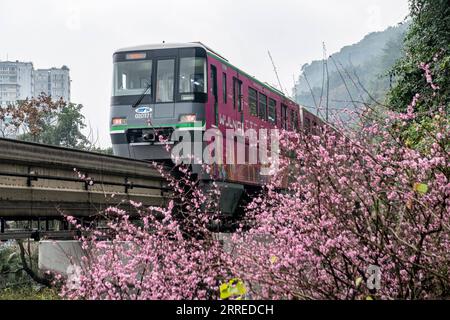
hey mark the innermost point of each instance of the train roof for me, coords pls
(210, 51)
(169, 46)
(158, 46)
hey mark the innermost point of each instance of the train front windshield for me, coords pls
(186, 82)
(131, 78)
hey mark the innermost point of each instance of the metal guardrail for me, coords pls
(37, 235)
(39, 182)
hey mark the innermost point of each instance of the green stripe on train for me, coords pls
(177, 125)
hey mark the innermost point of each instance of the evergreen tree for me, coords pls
(428, 43)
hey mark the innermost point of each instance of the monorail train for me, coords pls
(158, 89)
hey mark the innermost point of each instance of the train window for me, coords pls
(284, 117)
(307, 125)
(272, 111)
(253, 102)
(192, 78)
(237, 94)
(214, 82)
(296, 127)
(262, 106)
(292, 119)
(224, 87)
(165, 80)
(132, 78)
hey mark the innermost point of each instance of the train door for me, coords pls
(165, 89)
(215, 94)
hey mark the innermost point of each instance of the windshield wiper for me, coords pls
(138, 101)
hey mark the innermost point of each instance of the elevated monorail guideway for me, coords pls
(39, 183)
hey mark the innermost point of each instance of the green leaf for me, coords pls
(233, 288)
(224, 292)
(358, 281)
(369, 298)
(421, 188)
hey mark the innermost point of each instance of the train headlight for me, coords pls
(188, 118)
(119, 121)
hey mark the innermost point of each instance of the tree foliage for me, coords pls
(44, 120)
(18, 265)
(66, 131)
(427, 42)
(30, 117)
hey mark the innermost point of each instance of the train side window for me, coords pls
(165, 80)
(307, 125)
(284, 114)
(272, 111)
(240, 95)
(237, 94)
(253, 101)
(263, 106)
(214, 81)
(224, 87)
(294, 120)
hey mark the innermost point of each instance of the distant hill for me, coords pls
(367, 61)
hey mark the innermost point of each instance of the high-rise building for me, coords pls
(53, 82)
(19, 80)
(16, 81)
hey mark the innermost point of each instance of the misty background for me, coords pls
(84, 34)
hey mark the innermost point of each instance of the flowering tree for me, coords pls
(366, 213)
(154, 253)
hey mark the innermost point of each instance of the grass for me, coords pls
(28, 293)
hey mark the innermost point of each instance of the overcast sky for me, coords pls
(83, 34)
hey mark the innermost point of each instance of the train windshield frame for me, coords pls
(187, 81)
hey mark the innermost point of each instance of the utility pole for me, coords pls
(276, 72)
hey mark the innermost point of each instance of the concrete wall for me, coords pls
(59, 256)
